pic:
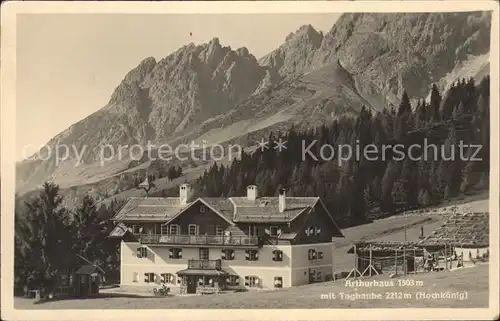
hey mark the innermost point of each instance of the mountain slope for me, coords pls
(213, 93)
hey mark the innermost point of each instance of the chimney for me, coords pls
(184, 193)
(252, 192)
(282, 199)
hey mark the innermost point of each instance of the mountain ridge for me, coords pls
(210, 91)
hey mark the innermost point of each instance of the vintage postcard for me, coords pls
(250, 160)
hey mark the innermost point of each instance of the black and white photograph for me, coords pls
(247, 160)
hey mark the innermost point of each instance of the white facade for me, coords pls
(294, 269)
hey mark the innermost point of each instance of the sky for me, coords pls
(69, 64)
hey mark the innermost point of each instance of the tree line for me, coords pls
(48, 238)
(358, 188)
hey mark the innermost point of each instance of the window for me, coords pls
(175, 253)
(318, 276)
(274, 231)
(252, 255)
(164, 229)
(277, 255)
(167, 278)
(136, 229)
(193, 229)
(233, 280)
(312, 230)
(312, 254)
(252, 281)
(219, 231)
(320, 255)
(149, 277)
(278, 282)
(174, 229)
(203, 208)
(253, 230)
(204, 253)
(227, 254)
(142, 252)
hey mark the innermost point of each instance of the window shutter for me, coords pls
(237, 281)
(232, 254)
(256, 255)
(257, 281)
(274, 255)
(320, 255)
(279, 231)
(135, 277)
(170, 253)
(228, 280)
(163, 279)
(223, 254)
(247, 281)
(146, 277)
(318, 230)
(280, 255)
(179, 254)
(139, 253)
(172, 278)
(247, 255)
(145, 252)
(306, 231)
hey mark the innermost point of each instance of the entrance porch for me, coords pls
(202, 276)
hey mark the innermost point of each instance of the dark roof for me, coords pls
(468, 230)
(87, 269)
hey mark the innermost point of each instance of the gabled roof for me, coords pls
(233, 209)
(156, 209)
(214, 209)
(266, 209)
(461, 230)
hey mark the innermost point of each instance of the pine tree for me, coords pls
(435, 103)
(47, 239)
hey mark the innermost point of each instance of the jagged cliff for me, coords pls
(213, 92)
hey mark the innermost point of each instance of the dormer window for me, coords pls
(274, 231)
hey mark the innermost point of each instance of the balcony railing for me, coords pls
(204, 264)
(199, 240)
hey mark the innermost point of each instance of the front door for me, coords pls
(191, 284)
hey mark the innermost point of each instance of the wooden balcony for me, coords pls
(200, 240)
(204, 264)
